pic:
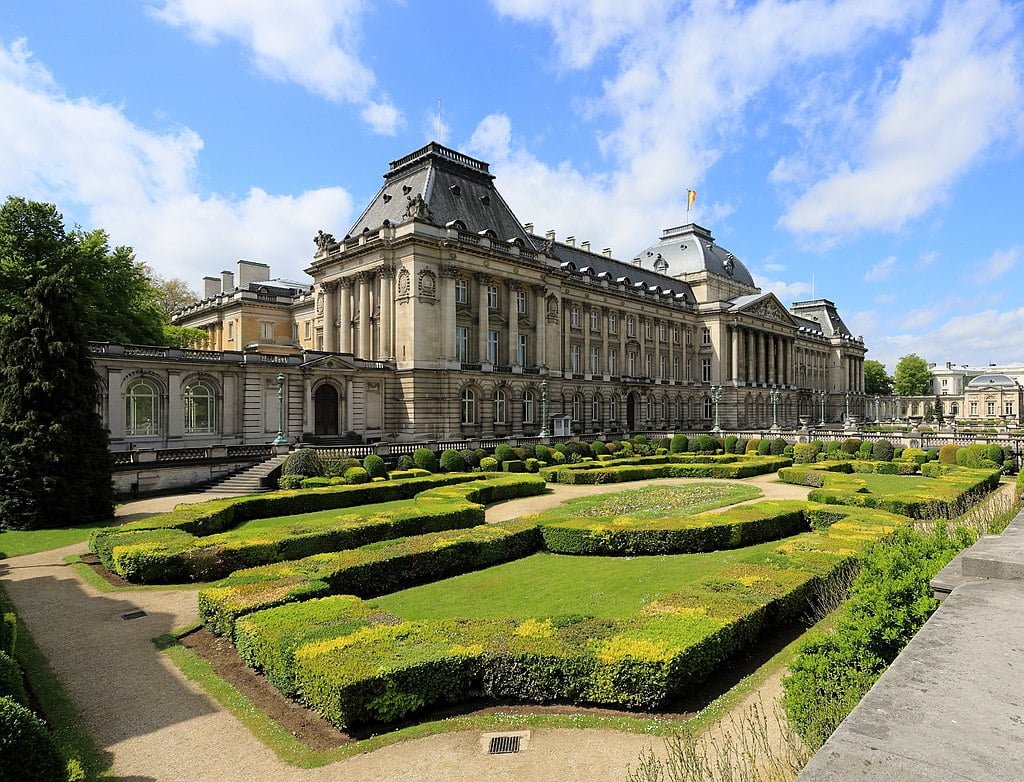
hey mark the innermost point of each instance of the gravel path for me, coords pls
(159, 726)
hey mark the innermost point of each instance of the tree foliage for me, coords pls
(171, 294)
(55, 467)
(117, 301)
(876, 379)
(912, 377)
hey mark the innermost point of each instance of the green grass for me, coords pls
(657, 501)
(312, 519)
(14, 543)
(895, 484)
(68, 728)
(546, 585)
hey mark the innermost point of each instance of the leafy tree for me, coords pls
(117, 302)
(876, 379)
(912, 377)
(183, 336)
(55, 467)
(172, 294)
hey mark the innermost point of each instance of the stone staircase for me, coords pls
(248, 480)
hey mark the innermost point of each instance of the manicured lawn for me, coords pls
(319, 517)
(546, 585)
(895, 484)
(14, 543)
(657, 501)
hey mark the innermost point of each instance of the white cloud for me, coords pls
(926, 259)
(881, 270)
(996, 266)
(980, 338)
(885, 298)
(313, 43)
(958, 93)
(788, 292)
(919, 317)
(105, 171)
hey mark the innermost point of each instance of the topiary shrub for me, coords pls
(613, 446)
(452, 461)
(470, 458)
(405, 462)
(788, 451)
(731, 441)
(533, 465)
(851, 445)
(740, 447)
(947, 453)
(514, 465)
(305, 462)
(529, 451)
(11, 683)
(543, 453)
(994, 453)
(752, 445)
(489, 464)
(865, 450)
(598, 448)
(374, 466)
(764, 447)
(28, 752)
(804, 453)
(356, 475)
(678, 444)
(882, 451)
(933, 454)
(777, 447)
(504, 453)
(425, 459)
(914, 455)
(704, 443)
(289, 482)
(557, 457)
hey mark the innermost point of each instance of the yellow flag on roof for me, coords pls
(691, 196)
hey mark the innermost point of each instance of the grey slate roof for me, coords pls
(992, 381)
(823, 315)
(453, 186)
(691, 248)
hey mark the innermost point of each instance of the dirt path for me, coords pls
(157, 725)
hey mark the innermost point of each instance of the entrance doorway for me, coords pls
(325, 410)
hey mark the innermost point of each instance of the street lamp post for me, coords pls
(281, 439)
(878, 401)
(822, 396)
(774, 396)
(848, 395)
(716, 397)
(544, 408)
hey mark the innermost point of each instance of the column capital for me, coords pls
(514, 285)
(387, 270)
(366, 277)
(447, 270)
(483, 278)
(540, 290)
(346, 282)
(327, 287)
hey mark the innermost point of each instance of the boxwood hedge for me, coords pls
(677, 466)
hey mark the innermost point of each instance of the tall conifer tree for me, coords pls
(55, 466)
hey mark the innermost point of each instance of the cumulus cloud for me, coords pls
(314, 43)
(980, 337)
(881, 270)
(957, 94)
(996, 266)
(105, 171)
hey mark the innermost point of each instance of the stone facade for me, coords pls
(476, 326)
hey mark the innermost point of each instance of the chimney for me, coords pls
(607, 252)
(571, 241)
(211, 286)
(585, 246)
(227, 282)
(528, 227)
(251, 271)
(550, 236)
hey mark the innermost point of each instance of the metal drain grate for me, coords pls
(503, 745)
(133, 615)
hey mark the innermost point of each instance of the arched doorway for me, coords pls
(632, 405)
(325, 410)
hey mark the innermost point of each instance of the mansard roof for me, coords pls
(442, 186)
(690, 248)
(823, 316)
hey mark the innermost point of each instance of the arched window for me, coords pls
(142, 408)
(577, 407)
(528, 405)
(468, 403)
(955, 409)
(198, 407)
(500, 406)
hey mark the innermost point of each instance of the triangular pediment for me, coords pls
(331, 362)
(767, 307)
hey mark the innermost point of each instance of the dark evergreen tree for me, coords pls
(55, 466)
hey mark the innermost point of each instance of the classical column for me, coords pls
(327, 289)
(364, 315)
(735, 348)
(513, 324)
(540, 317)
(759, 347)
(345, 318)
(483, 317)
(387, 297)
(448, 275)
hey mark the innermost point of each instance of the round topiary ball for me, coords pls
(504, 453)
(425, 459)
(453, 461)
(489, 464)
(374, 466)
(305, 462)
(28, 752)
(356, 475)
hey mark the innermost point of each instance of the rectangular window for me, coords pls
(675, 334)
(613, 324)
(1008, 409)
(613, 409)
(689, 337)
(631, 364)
(991, 408)
(705, 370)
(663, 368)
(521, 302)
(574, 359)
(492, 297)
(231, 329)
(613, 362)
(662, 333)
(705, 336)
(574, 317)
(462, 344)
(648, 364)
(675, 368)
(647, 329)
(689, 370)
(595, 360)
(595, 409)
(266, 330)
(492, 347)
(630, 326)
(528, 407)
(974, 408)
(309, 328)
(461, 291)
(595, 323)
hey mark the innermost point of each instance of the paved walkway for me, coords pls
(159, 726)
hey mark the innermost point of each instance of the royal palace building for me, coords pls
(439, 315)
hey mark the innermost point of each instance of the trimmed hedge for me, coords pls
(367, 571)
(590, 473)
(384, 673)
(28, 751)
(173, 555)
(12, 685)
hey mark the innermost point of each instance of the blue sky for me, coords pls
(871, 149)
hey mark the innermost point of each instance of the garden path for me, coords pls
(157, 725)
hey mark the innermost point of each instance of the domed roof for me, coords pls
(992, 381)
(691, 248)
